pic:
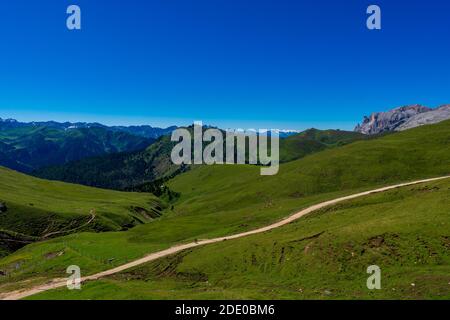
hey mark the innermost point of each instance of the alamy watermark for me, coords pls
(234, 145)
(74, 280)
(374, 20)
(73, 21)
(374, 280)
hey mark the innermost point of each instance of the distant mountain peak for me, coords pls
(433, 116)
(26, 146)
(391, 120)
(9, 120)
(145, 131)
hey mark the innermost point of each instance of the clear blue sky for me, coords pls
(235, 63)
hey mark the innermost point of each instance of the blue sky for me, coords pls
(232, 63)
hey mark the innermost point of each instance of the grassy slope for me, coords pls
(127, 170)
(220, 200)
(406, 232)
(313, 140)
(117, 171)
(409, 155)
(36, 207)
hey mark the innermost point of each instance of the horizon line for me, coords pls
(165, 122)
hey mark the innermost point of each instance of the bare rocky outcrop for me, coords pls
(434, 116)
(402, 118)
(379, 122)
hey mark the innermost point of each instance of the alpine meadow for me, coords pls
(198, 159)
(223, 200)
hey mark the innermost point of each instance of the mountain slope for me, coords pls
(313, 140)
(220, 200)
(26, 148)
(145, 131)
(34, 208)
(118, 171)
(128, 170)
(321, 256)
(416, 153)
(434, 116)
(379, 122)
(402, 118)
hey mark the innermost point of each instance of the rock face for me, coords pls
(434, 116)
(402, 118)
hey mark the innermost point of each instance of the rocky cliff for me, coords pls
(402, 118)
(434, 116)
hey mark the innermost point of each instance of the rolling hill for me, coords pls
(220, 200)
(405, 231)
(130, 170)
(117, 171)
(313, 140)
(32, 209)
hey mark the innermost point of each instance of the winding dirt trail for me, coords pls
(61, 282)
(91, 219)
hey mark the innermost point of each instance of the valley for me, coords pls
(180, 248)
(219, 200)
(245, 152)
(27, 148)
(321, 256)
(35, 210)
(136, 170)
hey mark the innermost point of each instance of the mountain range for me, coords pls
(145, 131)
(323, 255)
(125, 157)
(29, 146)
(135, 170)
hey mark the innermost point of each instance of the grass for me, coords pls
(406, 232)
(220, 200)
(313, 140)
(37, 207)
(125, 171)
(409, 155)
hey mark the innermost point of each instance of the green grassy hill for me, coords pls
(313, 140)
(118, 171)
(131, 170)
(225, 199)
(35, 209)
(406, 232)
(408, 155)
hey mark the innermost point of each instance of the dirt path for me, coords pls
(50, 234)
(58, 283)
(47, 235)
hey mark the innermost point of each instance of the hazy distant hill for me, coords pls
(142, 130)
